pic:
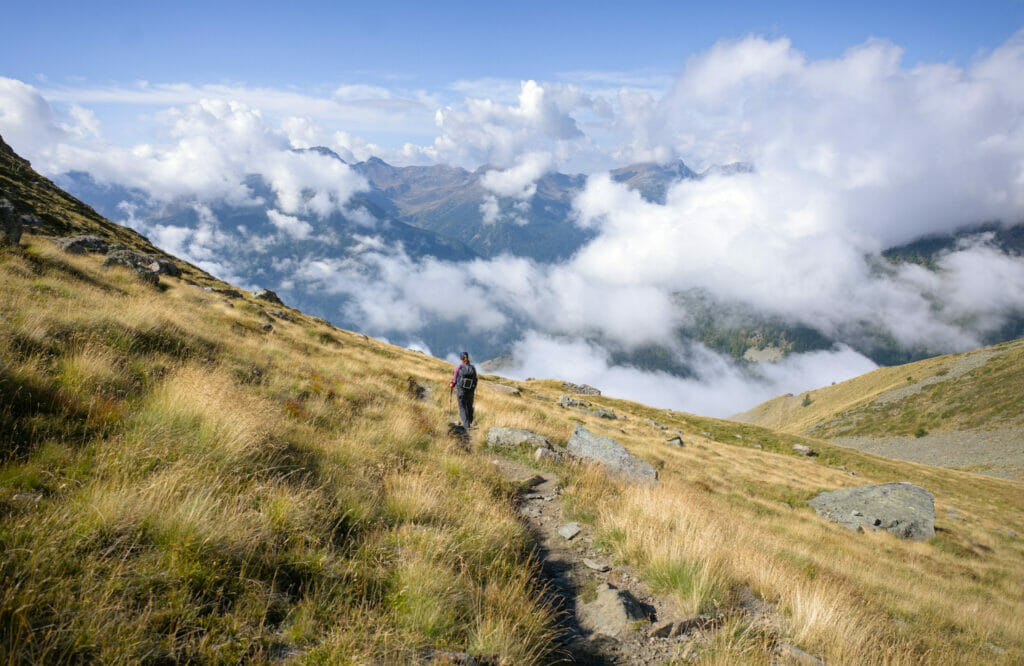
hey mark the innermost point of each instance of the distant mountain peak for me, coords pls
(323, 150)
(652, 179)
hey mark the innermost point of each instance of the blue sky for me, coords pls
(311, 44)
(867, 127)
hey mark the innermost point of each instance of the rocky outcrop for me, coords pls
(10, 225)
(903, 509)
(500, 437)
(144, 265)
(569, 401)
(282, 314)
(582, 389)
(591, 447)
(267, 295)
(83, 243)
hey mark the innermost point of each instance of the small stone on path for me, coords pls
(805, 450)
(569, 531)
(612, 612)
(661, 629)
(596, 566)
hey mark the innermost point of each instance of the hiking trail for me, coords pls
(648, 628)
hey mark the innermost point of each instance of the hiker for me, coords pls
(464, 383)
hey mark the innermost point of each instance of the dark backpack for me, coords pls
(467, 377)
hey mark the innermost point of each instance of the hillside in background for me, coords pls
(958, 410)
(191, 473)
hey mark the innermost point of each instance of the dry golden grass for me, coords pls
(181, 485)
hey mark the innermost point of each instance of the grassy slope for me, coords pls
(974, 390)
(181, 485)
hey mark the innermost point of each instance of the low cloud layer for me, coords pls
(851, 156)
(719, 387)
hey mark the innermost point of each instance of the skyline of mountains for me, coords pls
(414, 259)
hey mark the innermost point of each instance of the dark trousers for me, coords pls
(466, 408)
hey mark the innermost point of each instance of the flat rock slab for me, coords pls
(569, 531)
(903, 509)
(589, 446)
(500, 437)
(503, 388)
(612, 612)
(596, 566)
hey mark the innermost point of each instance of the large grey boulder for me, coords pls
(589, 446)
(500, 437)
(10, 224)
(612, 612)
(906, 510)
(142, 263)
(83, 243)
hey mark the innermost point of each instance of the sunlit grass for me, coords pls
(180, 485)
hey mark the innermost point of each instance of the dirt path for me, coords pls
(573, 569)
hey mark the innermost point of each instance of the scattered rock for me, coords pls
(10, 225)
(569, 401)
(142, 262)
(500, 437)
(792, 655)
(758, 446)
(612, 612)
(267, 327)
(613, 456)
(282, 314)
(503, 388)
(529, 512)
(569, 531)
(676, 441)
(596, 566)
(227, 293)
(652, 422)
(267, 295)
(661, 629)
(804, 450)
(692, 623)
(546, 454)
(604, 413)
(786, 505)
(903, 509)
(582, 389)
(418, 391)
(82, 244)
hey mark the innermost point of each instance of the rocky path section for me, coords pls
(608, 614)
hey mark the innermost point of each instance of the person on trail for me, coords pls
(464, 383)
